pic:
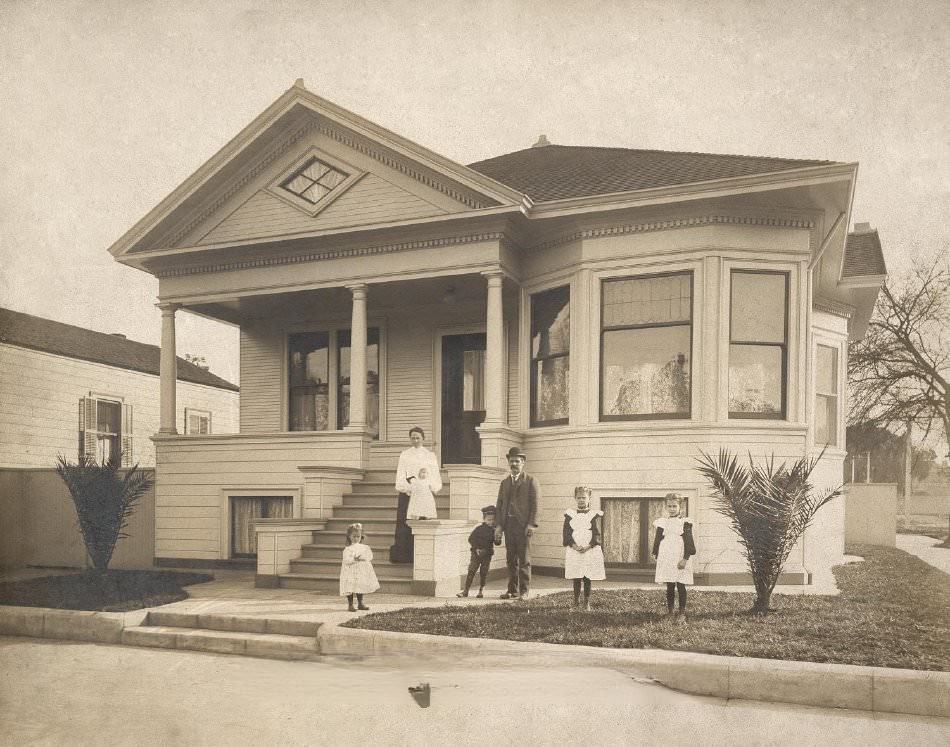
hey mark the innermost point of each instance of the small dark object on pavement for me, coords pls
(421, 694)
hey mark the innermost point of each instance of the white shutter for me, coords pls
(88, 426)
(126, 440)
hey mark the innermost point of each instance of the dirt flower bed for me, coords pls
(114, 591)
(893, 611)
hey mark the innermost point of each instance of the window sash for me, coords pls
(826, 420)
(549, 303)
(683, 319)
(782, 345)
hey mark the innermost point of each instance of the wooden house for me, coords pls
(612, 311)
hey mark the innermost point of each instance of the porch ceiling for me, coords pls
(329, 302)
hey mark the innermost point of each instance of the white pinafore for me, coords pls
(671, 552)
(589, 564)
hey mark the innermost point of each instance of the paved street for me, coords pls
(69, 693)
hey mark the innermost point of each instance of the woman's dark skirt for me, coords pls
(401, 550)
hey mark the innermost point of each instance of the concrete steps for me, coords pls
(372, 502)
(221, 634)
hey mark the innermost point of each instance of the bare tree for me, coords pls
(899, 372)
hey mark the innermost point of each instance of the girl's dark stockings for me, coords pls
(577, 589)
(671, 590)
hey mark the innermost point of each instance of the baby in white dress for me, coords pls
(421, 499)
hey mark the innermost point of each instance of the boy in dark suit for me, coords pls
(482, 541)
(516, 515)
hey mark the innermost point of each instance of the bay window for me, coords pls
(758, 344)
(646, 347)
(550, 356)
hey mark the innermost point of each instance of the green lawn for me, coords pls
(114, 591)
(894, 611)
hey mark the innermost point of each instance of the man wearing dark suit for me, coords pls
(516, 515)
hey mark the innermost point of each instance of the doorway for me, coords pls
(463, 397)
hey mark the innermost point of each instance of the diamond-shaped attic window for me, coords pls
(313, 181)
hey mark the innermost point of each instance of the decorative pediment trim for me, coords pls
(665, 225)
(331, 254)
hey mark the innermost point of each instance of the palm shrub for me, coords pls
(769, 508)
(104, 501)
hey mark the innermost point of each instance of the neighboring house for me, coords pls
(612, 311)
(65, 390)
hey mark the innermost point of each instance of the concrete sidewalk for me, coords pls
(927, 549)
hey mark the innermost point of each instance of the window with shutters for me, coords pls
(105, 429)
(197, 422)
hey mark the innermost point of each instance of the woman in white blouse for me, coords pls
(411, 460)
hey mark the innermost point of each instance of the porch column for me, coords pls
(168, 369)
(358, 359)
(494, 351)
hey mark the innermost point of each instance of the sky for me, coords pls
(106, 107)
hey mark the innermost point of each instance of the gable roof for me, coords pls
(37, 333)
(285, 120)
(863, 255)
(557, 172)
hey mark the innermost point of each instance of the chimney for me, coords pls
(118, 334)
(542, 141)
(862, 228)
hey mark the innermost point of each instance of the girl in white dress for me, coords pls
(583, 553)
(357, 576)
(421, 500)
(673, 549)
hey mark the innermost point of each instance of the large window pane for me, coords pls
(372, 380)
(552, 384)
(646, 347)
(826, 420)
(646, 371)
(755, 379)
(309, 374)
(551, 322)
(550, 356)
(758, 307)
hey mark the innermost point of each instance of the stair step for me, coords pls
(384, 499)
(222, 642)
(379, 543)
(329, 567)
(371, 526)
(324, 582)
(232, 623)
(365, 514)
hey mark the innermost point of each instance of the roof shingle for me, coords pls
(557, 172)
(37, 333)
(863, 255)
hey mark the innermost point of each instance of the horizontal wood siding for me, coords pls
(39, 401)
(194, 473)
(371, 200)
(262, 350)
(514, 372)
(410, 375)
(656, 461)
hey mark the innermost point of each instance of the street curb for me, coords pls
(908, 691)
(73, 625)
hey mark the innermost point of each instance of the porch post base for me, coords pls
(473, 487)
(278, 542)
(441, 549)
(496, 439)
(324, 488)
